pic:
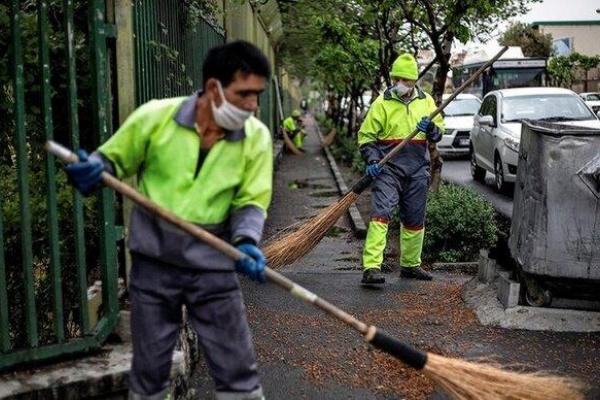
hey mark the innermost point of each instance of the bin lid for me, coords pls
(558, 129)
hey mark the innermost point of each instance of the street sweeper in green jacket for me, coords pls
(209, 161)
(403, 181)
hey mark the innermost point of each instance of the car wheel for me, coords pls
(477, 172)
(501, 185)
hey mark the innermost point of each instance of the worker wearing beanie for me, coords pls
(404, 179)
(293, 127)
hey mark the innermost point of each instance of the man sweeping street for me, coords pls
(209, 161)
(404, 180)
(293, 127)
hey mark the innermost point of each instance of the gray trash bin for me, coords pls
(555, 231)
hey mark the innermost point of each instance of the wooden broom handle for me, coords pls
(68, 156)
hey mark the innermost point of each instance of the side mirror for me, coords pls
(486, 120)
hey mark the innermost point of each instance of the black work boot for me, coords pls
(373, 276)
(415, 273)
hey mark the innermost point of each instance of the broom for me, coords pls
(459, 378)
(287, 248)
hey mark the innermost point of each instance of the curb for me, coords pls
(356, 220)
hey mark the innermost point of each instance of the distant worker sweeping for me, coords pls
(206, 159)
(404, 180)
(294, 129)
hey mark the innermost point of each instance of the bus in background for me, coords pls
(512, 70)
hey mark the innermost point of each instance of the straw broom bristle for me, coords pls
(294, 245)
(329, 138)
(465, 380)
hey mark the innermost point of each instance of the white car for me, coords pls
(592, 99)
(496, 132)
(458, 119)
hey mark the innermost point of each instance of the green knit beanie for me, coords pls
(405, 67)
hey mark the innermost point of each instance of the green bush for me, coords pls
(459, 223)
(345, 149)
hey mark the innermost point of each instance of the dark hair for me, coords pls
(223, 62)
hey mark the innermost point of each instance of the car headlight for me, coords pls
(449, 131)
(512, 144)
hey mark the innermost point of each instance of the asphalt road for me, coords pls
(458, 171)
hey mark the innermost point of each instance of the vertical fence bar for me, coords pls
(99, 66)
(4, 326)
(147, 73)
(156, 64)
(139, 87)
(22, 179)
(78, 223)
(55, 272)
(151, 64)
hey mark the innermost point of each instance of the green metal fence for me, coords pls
(170, 45)
(53, 243)
(46, 228)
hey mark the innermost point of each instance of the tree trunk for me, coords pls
(350, 117)
(439, 85)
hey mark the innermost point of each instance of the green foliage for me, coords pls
(533, 42)
(563, 69)
(459, 223)
(344, 49)
(345, 149)
(199, 10)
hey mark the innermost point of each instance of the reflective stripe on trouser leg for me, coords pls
(375, 244)
(411, 246)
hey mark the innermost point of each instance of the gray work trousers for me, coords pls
(217, 313)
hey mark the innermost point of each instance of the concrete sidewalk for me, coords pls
(304, 354)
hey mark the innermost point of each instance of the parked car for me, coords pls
(458, 118)
(496, 132)
(592, 99)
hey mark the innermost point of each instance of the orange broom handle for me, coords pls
(366, 180)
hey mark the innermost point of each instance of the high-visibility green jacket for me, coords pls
(290, 125)
(390, 120)
(226, 190)
(295, 132)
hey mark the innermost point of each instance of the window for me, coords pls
(489, 107)
(462, 107)
(555, 108)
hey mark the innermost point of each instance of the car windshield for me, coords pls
(462, 107)
(558, 107)
(593, 97)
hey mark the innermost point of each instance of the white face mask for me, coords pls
(227, 115)
(400, 89)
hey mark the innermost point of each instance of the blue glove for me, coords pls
(373, 169)
(425, 125)
(253, 264)
(85, 174)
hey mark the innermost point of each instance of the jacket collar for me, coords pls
(186, 117)
(418, 93)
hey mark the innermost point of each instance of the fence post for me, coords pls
(125, 65)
